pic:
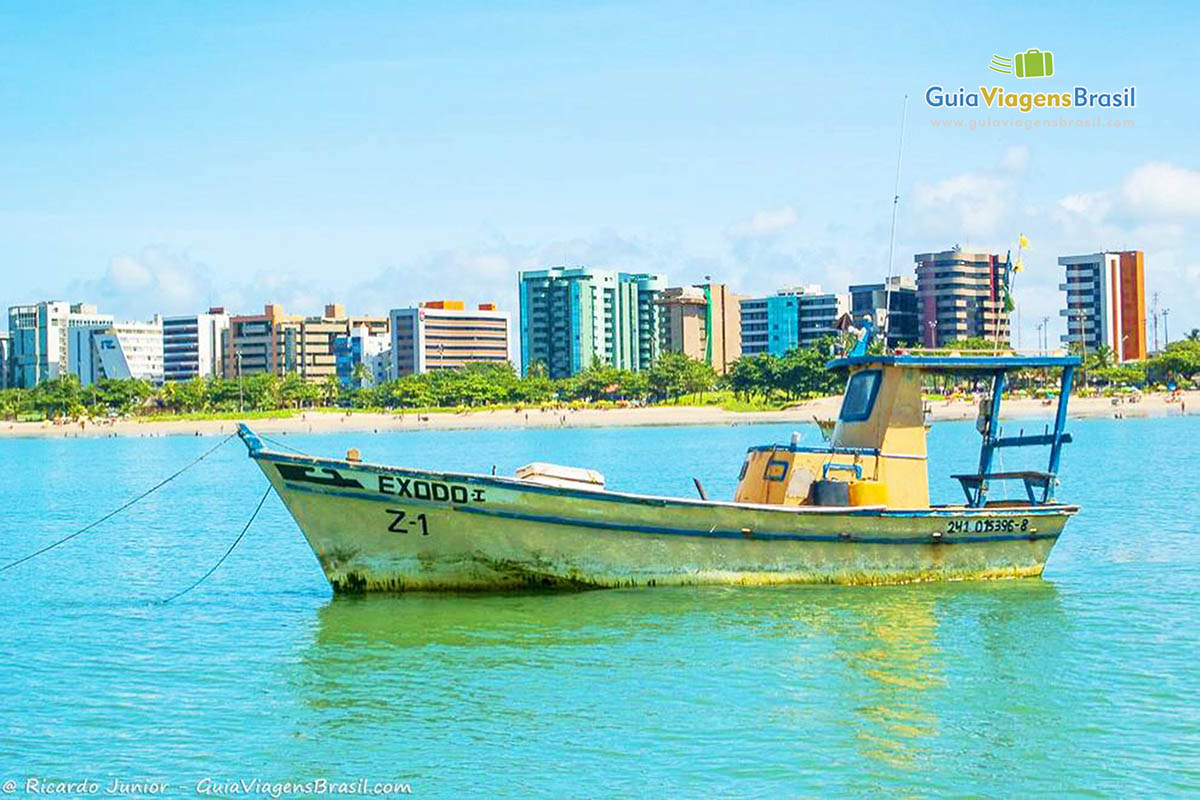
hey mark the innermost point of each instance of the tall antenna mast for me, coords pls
(887, 286)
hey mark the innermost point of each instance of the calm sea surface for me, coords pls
(1086, 682)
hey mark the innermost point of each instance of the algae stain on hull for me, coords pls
(511, 575)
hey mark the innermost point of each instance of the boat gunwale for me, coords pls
(712, 533)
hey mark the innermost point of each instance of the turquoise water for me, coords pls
(1082, 683)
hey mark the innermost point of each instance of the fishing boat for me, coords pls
(853, 510)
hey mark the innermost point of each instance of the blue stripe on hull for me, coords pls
(658, 531)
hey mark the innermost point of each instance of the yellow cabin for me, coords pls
(876, 454)
(875, 457)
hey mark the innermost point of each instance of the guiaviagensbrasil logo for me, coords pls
(1033, 63)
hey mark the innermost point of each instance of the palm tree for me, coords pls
(332, 388)
(10, 404)
(1101, 357)
(167, 396)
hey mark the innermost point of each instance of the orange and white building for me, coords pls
(703, 322)
(281, 344)
(1106, 302)
(445, 334)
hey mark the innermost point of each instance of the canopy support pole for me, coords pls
(1060, 424)
(990, 435)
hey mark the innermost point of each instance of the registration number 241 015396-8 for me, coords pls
(1003, 525)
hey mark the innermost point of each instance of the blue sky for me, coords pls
(162, 156)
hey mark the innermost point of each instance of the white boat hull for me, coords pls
(376, 528)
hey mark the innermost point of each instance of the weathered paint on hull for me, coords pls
(386, 529)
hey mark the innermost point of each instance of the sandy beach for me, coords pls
(1151, 405)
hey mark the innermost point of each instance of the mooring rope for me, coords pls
(221, 560)
(278, 443)
(113, 513)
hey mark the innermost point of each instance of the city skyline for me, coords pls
(570, 318)
(371, 153)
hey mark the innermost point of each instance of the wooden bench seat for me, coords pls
(1033, 479)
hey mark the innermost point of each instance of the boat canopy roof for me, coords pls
(957, 363)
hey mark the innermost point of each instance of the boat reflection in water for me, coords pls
(732, 682)
(920, 657)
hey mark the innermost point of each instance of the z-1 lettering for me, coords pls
(402, 524)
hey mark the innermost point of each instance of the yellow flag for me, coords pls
(1019, 265)
(1024, 242)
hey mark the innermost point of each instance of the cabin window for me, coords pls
(860, 395)
(776, 470)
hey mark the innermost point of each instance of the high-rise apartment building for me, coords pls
(636, 325)
(445, 334)
(1106, 302)
(5, 364)
(703, 322)
(117, 351)
(895, 299)
(39, 340)
(800, 316)
(770, 324)
(960, 295)
(362, 347)
(252, 344)
(192, 345)
(574, 317)
(819, 312)
(564, 313)
(283, 344)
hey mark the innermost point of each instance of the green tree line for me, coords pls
(797, 375)
(671, 378)
(1178, 363)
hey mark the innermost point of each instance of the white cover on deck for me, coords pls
(563, 477)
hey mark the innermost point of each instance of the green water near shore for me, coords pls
(1081, 683)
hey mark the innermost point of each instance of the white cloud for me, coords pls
(475, 276)
(972, 204)
(1015, 159)
(296, 296)
(127, 274)
(487, 271)
(1148, 210)
(1092, 206)
(605, 249)
(1151, 208)
(765, 223)
(976, 203)
(1162, 190)
(156, 280)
